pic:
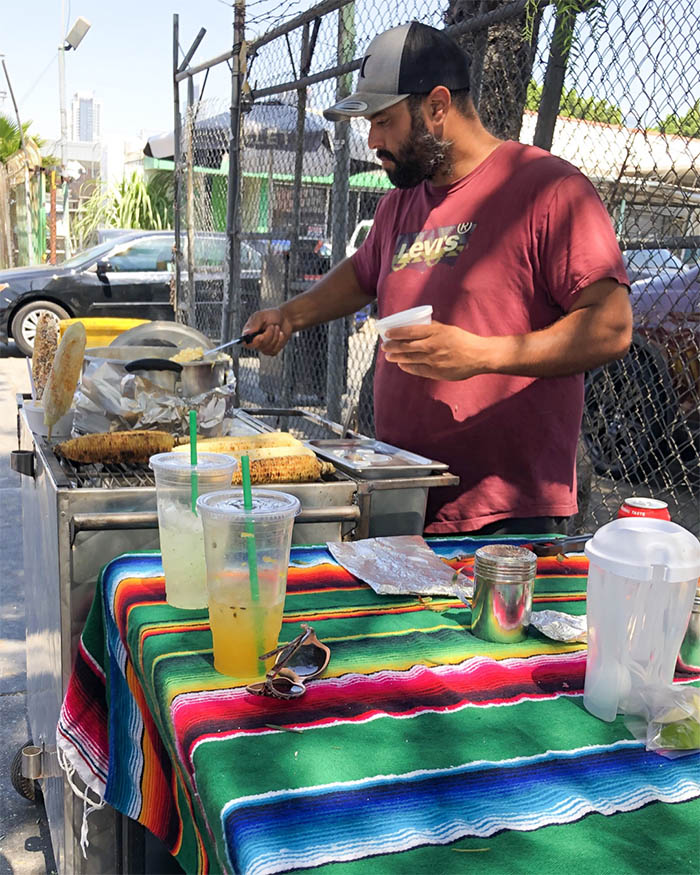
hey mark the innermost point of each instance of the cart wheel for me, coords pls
(26, 787)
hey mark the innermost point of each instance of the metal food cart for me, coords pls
(78, 517)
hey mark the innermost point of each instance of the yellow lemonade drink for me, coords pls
(241, 633)
(247, 558)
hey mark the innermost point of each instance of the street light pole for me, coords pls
(64, 133)
(71, 40)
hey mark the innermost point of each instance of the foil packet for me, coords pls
(399, 565)
(109, 401)
(559, 626)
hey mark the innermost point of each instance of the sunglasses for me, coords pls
(300, 661)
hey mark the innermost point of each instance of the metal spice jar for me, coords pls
(504, 580)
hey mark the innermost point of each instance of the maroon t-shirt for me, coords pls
(505, 250)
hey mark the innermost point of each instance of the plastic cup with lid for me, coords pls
(246, 592)
(181, 534)
(415, 316)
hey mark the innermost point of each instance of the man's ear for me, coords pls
(438, 103)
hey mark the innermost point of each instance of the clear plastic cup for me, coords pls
(247, 556)
(415, 316)
(181, 535)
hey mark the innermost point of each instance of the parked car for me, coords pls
(653, 262)
(313, 257)
(643, 410)
(358, 236)
(129, 276)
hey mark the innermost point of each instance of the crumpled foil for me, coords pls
(108, 400)
(559, 626)
(398, 565)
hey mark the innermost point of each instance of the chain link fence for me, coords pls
(611, 86)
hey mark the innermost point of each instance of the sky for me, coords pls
(126, 57)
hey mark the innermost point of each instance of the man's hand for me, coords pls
(596, 330)
(437, 351)
(277, 331)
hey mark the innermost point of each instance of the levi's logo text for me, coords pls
(425, 249)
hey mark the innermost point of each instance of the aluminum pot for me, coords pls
(161, 372)
(203, 376)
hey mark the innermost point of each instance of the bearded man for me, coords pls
(515, 252)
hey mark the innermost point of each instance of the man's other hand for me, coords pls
(437, 351)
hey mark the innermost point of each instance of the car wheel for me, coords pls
(628, 409)
(25, 322)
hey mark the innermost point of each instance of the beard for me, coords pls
(419, 158)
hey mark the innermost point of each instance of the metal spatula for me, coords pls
(244, 338)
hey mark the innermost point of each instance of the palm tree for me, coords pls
(11, 141)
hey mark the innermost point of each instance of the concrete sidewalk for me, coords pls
(25, 845)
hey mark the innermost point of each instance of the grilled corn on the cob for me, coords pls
(232, 445)
(256, 452)
(117, 446)
(284, 469)
(45, 346)
(64, 375)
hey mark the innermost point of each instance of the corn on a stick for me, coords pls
(130, 447)
(44, 352)
(244, 443)
(257, 452)
(64, 375)
(285, 469)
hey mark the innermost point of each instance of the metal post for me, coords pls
(177, 157)
(231, 310)
(64, 136)
(288, 353)
(189, 207)
(337, 330)
(52, 220)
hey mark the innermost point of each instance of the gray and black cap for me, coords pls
(410, 59)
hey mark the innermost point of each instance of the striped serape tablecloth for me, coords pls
(421, 749)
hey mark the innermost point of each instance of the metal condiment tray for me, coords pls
(346, 454)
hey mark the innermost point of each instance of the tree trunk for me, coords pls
(502, 61)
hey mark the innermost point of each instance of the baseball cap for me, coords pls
(412, 58)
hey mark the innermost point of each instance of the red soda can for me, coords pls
(644, 507)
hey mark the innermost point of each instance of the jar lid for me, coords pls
(644, 548)
(505, 563)
(268, 505)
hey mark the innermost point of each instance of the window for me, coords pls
(144, 254)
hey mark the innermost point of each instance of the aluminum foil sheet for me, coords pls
(559, 626)
(399, 565)
(109, 401)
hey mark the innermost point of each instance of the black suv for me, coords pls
(128, 276)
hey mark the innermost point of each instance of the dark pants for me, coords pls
(533, 525)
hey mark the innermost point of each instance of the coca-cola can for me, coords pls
(644, 507)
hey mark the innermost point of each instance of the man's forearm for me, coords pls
(583, 339)
(337, 294)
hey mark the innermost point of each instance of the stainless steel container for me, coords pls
(203, 376)
(504, 580)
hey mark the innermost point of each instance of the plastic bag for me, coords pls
(671, 724)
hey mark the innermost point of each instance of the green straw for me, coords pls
(194, 486)
(250, 529)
